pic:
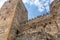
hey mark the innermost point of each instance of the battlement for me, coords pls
(41, 17)
(53, 8)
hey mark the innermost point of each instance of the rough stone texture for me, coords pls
(14, 24)
(6, 18)
(11, 15)
(36, 36)
(46, 27)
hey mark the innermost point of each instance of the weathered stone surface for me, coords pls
(35, 36)
(48, 25)
(14, 24)
(6, 18)
(11, 14)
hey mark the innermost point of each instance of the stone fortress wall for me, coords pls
(14, 24)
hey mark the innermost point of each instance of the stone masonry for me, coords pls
(14, 23)
(11, 14)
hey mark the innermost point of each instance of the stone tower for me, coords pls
(55, 11)
(11, 14)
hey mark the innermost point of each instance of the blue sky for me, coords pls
(35, 7)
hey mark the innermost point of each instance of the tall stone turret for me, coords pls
(55, 11)
(11, 14)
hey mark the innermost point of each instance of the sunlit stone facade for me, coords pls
(14, 23)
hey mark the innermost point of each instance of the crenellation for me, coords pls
(36, 18)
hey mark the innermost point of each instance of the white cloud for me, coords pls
(2, 2)
(47, 8)
(51, 1)
(39, 3)
(25, 1)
